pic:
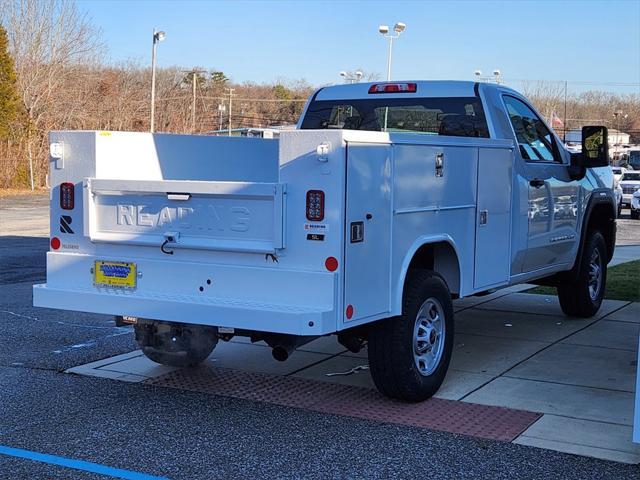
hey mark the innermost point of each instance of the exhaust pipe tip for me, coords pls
(280, 353)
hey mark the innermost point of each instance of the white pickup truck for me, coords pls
(388, 201)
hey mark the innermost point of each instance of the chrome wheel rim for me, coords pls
(595, 275)
(428, 336)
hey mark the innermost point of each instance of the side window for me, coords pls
(535, 141)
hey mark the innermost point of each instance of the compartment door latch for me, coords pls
(439, 164)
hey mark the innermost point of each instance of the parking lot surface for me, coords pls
(73, 385)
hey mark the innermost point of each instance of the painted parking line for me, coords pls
(76, 464)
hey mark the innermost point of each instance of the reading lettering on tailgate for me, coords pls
(234, 218)
(248, 218)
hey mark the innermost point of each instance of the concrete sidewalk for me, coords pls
(580, 373)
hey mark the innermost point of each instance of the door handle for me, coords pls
(536, 182)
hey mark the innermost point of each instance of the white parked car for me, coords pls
(618, 172)
(630, 183)
(617, 192)
(635, 205)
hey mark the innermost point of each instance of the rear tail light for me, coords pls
(393, 88)
(315, 205)
(55, 243)
(67, 196)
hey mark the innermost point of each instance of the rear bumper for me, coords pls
(261, 299)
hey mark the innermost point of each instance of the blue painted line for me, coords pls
(76, 464)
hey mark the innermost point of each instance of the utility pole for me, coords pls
(194, 83)
(231, 90)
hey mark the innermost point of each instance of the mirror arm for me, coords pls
(576, 172)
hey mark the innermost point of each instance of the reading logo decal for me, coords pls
(65, 222)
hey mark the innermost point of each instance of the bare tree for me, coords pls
(48, 39)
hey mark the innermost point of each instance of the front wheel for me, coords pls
(409, 355)
(635, 213)
(583, 296)
(175, 344)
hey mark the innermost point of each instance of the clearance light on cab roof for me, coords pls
(393, 88)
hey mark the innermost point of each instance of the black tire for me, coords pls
(576, 298)
(394, 367)
(174, 344)
(635, 214)
(619, 209)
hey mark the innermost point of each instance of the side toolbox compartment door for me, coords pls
(368, 231)
(493, 217)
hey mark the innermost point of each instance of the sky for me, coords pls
(593, 42)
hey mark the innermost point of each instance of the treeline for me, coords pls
(52, 77)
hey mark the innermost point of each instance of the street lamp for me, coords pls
(618, 114)
(158, 36)
(496, 74)
(350, 77)
(398, 28)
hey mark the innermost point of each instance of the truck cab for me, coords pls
(389, 200)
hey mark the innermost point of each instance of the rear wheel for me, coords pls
(175, 344)
(583, 296)
(409, 355)
(635, 214)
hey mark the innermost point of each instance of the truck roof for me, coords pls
(425, 88)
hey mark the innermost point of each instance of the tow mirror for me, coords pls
(595, 147)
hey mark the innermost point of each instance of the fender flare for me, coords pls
(396, 305)
(599, 196)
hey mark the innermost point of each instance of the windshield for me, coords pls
(453, 116)
(630, 176)
(634, 157)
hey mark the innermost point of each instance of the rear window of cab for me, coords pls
(450, 116)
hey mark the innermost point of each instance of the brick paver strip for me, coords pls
(495, 423)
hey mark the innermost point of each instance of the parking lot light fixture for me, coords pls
(398, 28)
(158, 36)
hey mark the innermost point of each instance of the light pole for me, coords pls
(350, 77)
(158, 36)
(496, 75)
(398, 28)
(231, 90)
(618, 114)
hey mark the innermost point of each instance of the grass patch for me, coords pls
(623, 283)
(10, 192)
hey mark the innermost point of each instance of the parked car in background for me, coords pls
(633, 162)
(617, 192)
(630, 183)
(635, 205)
(618, 171)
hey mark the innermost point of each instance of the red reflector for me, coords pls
(67, 196)
(393, 88)
(331, 264)
(349, 312)
(55, 243)
(315, 205)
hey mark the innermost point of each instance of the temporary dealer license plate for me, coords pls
(115, 274)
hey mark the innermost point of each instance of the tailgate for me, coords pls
(229, 216)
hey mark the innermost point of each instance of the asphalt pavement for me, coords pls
(187, 435)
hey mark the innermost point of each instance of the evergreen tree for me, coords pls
(9, 99)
